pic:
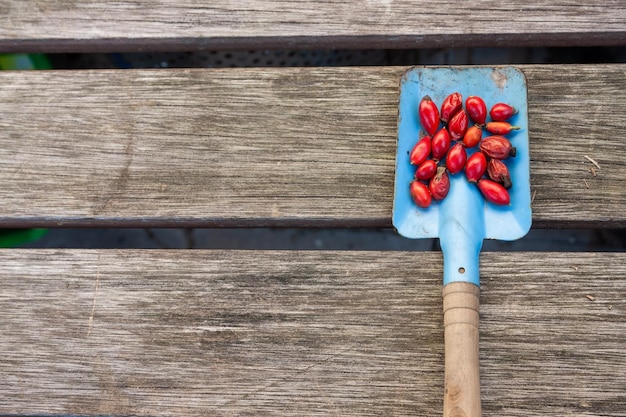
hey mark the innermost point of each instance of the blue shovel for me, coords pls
(463, 219)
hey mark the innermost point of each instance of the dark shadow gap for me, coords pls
(330, 58)
(559, 240)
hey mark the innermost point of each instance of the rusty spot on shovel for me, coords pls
(499, 78)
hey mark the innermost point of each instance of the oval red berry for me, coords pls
(494, 192)
(450, 106)
(499, 172)
(500, 128)
(501, 112)
(440, 184)
(440, 144)
(472, 136)
(428, 115)
(426, 170)
(420, 194)
(477, 109)
(420, 151)
(497, 147)
(456, 158)
(475, 167)
(458, 125)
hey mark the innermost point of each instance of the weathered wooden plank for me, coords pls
(274, 147)
(301, 333)
(96, 25)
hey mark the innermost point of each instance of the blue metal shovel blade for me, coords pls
(463, 219)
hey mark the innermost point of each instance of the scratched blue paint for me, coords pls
(463, 219)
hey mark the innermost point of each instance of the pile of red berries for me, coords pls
(441, 152)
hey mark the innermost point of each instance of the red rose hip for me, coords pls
(440, 144)
(472, 136)
(497, 147)
(420, 151)
(458, 125)
(475, 167)
(501, 112)
(450, 106)
(500, 128)
(426, 170)
(420, 194)
(428, 115)
(477, 109)
(455, 160)
(494, 192)
(499, 172)
(440, 184)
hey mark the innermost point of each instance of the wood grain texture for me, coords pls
(290, 333)
(97, 25)
(274, 147)
(461, 388)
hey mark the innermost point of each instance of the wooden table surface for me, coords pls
(287, 333)
(291, 333)
(305, 147)
(97, 25)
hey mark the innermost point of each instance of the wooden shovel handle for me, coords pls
(462, 379)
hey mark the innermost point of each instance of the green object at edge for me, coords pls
(10, 238)
(24, 62)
